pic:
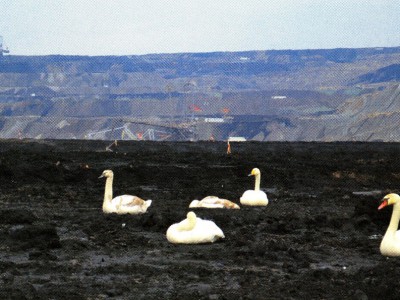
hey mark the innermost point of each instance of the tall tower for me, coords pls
(3, 50)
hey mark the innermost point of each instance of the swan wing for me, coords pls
(397, 235)
(177, 236)
(252, 194)
(228, 204)
(127, 204)
(127, 200)
(207, 231)
(249, 194)
(210, 202)
(216, 202)
(252, 197)
(210, 199)
(390, 244)
(211, 205)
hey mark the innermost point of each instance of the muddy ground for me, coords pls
(317, 239)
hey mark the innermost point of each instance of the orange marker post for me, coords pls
(228, 150)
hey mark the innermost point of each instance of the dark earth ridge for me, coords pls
(317, 239)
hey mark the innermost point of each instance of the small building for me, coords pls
(236, 139)
(214, 120)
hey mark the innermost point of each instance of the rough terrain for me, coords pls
(317, 239)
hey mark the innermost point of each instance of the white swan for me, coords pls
(194, 230)
(125, 204)
(255, 197)
(390, 245)
(213, 202)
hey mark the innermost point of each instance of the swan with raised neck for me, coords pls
(390, 245)
(194, 230)
(124, 204)
(255, 197)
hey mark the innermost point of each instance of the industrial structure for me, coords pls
(3, 49)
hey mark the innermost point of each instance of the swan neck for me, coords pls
(108, 192)
(192, 223)
(394, 220)
(257, 184)
(187, 224)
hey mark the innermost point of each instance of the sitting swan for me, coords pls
(390, 245)
(125, 204)
(213, 202)
(254, 197)
(194, 230)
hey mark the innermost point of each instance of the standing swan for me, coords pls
(125, 204)
(390, 245)
(194, 230)
(254, 197)
(213, 202)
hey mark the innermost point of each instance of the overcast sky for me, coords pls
(130, 27)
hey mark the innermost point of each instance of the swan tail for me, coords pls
(148, 203)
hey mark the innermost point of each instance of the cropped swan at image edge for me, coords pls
(390, 245)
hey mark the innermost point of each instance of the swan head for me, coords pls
(254, 172)
(389, 199)
(107, 174)
(194, 203)
(191, 216)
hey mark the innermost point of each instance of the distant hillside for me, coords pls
(389, 73)
(327, 94)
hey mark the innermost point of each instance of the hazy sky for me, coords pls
(129, 27)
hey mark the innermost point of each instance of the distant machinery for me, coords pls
(149, 134)
(184, 131)
(3, 50)
(125, 132)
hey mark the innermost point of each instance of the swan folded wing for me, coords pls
(390, 245)
(211, 205)
(227, 203)
(252, 197)
(207, 202)
(209, 199)
(127, 200)
(207, 231)
(252, 194)
(176, 235)
(215, 202)
(397, 237)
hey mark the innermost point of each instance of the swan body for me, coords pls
(124, 204)
(194, 230)
(390, 245)
(255, 197)
(213, 202)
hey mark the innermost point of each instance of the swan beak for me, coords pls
(101, 176)
(383, 204)
(250, 175)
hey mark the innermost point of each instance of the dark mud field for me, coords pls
(317, 239)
